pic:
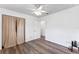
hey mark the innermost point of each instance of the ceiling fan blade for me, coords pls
(33, 9)
(40, 7)
(30, 7)
(43, 11)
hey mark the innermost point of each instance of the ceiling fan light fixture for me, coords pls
(38, 13)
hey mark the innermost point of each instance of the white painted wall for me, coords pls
(32, 26)
(63, 26)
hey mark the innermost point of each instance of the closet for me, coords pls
(13, 31)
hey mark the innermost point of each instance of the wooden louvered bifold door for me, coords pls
(20, 30)
(9, 31)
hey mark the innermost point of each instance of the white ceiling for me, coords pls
(27, 8)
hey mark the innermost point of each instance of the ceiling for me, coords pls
(27, 8)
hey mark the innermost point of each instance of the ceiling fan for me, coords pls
(39, 10)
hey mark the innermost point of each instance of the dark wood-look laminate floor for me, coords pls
(37, 46)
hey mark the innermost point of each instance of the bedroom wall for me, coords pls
(63, 27)
(32, 26)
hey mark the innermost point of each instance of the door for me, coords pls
(20, 30)
(9, 31)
